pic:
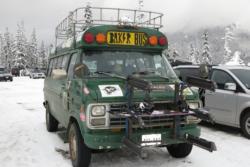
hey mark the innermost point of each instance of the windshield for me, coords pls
(127, 63)
(3, 70)
(243, 76)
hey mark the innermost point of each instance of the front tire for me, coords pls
(80, 154)
(180, 150)
(51, 122)
(245, 125)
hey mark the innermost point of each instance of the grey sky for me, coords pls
(180, 15)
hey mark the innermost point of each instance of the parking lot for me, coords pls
(24, 140)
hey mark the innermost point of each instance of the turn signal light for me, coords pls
(100, 38)
(88, 38)
(163, 41)
(153, 40)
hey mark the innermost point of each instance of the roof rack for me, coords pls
(82, 18)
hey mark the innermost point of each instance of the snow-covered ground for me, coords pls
(24, 141)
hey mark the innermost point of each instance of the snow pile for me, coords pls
(236, 60)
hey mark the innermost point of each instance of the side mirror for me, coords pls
(81, 70)
(59, 74)
(204, 71)
(230, 86)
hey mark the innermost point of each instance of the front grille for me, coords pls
(151, 121)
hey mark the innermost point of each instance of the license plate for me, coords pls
(151, 139)
(127, 38)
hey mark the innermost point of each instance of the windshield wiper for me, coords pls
(110, 74)
(144, 72)
(149, 72)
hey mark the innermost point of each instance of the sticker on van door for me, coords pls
(111, 90)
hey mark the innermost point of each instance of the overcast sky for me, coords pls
(180, 15)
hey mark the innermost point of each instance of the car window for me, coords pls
(185, 72)
(243, 76)
(221, 77)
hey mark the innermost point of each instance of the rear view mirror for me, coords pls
(59, 74)
(204, 71)
(81, 70)
(230, 86)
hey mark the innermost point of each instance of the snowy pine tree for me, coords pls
(229, 36)
(205, 55)
(191, 57)
(7, 50)
(42, 61)
(16, 51)
(175, 54)
(197, 56)
(1, 49)
(141, 15)
(20, 59)
(88, 14)
(32, 53)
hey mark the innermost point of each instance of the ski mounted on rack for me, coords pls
(136, 113)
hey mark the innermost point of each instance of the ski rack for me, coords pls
(82, 18)
(181, 110)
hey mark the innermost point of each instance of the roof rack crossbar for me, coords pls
(77, 21)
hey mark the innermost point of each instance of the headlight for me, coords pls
(194, 105)
(98, 111)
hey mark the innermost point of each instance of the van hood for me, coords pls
(115, 90)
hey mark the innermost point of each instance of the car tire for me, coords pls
(180, 150)
(80, 154)
(51, 122)
(245, 125)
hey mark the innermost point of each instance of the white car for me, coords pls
(230, 103)
(37, 74)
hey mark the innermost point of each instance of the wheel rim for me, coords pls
(247, 125)
(73, 146)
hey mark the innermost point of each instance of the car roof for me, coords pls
(186, 66)
(231, 67)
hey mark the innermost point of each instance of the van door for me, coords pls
(57, 85)
(222, 104)
(67, 88)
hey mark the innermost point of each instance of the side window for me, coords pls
(221, 77)
(73, 61)
(54, 63)
(59, 62)
(189, 72)
(65, 62)
(50, 67)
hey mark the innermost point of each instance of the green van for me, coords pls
(110, 86)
